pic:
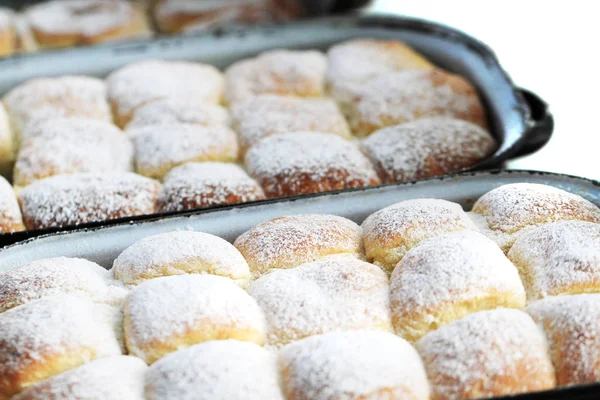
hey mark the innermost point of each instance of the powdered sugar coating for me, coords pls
(60, 275)
(389, 233)
(508, 209)
(331, 294)
(48, 336)
(177, 110)
(66, 96)
(159, 148)
(353, 365)
(120, 377)
(559, 258)
(353, 63)
(447, 277)
(215, 370)
(308, 162)
(180, 253)
(268, 115)
(287, 242)
(76, 199)
(399, 97)
(427, 147)
(166, 314)
(282, 72)
(71, 145)
(487, 354)
(207, 184)
(10, 213)
(572, 326)
(6, 18)
(145, 81)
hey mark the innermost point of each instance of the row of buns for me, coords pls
(417, 302)
(68, 23)
(288, 135)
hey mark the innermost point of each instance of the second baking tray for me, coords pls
(104, 244)
(520, 121)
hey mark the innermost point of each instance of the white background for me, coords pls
(549, 47)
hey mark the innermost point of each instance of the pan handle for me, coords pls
(542, 126)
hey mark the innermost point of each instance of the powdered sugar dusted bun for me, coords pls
(48, 98)
(282, 72)
(215, 370)
(389, 233)
(447, 277)
(399, 97)
(7, 150)
(427, 147)
(170, 313)
(558, 259)
(353, 365)
(160, 148)
(268, 115)
(142, 82)
(180, 253)
(177, 110)
(61, 275)
(80, 198)
(10, 213)
(64, 23)
(572, 327)
(207, 184)
(308, 162)
(8, 39)
(287, 242)
(71, 145)
(332, 294)
(119, 377)
(46, 337)
(487, 354)
(353, 63)
(508, 209)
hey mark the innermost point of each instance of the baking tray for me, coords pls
(520, 120)
(103, 244)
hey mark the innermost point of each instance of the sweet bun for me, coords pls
(71, 145)
(60, 275)
(7, 145)
(180, 253)
(8, 38)
(170, 313)
(389, 233)
(280, 72)
(487, 354)
(49, 336)
(353, 63)
(10, 213)
(505, 211)
(445, 278)
(572, 327)
(427, 147)
(215, 370)
(160, 148)
(48, 98)
(287, 242)
(66, 23)
(332, 294)
(81, 198)
(178, 111)
(308, 162)
(399, 97)
(207, 184)
(558, 259)
(268, 115)
(353, 365)
(119, 377)
(137, 84)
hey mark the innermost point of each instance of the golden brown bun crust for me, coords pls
(10, 213)
(8, 38)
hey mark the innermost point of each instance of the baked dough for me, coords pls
(175, 110)
(8, 39)
(7, 145)
(10, 213)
